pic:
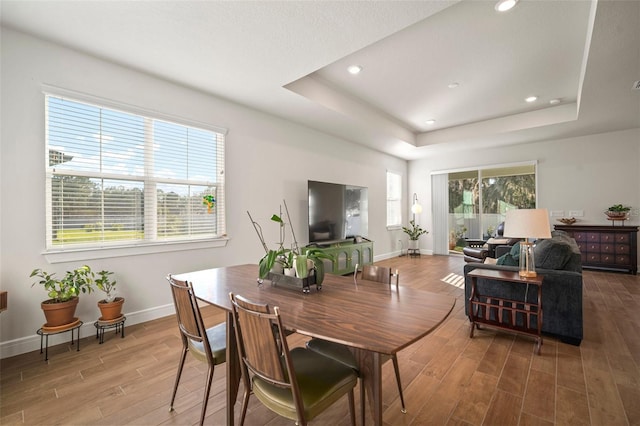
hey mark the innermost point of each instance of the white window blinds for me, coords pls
(115, 178)
(394, 199)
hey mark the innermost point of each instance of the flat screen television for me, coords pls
(337, 212)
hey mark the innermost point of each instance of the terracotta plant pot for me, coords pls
(59, 313)
(111, 310)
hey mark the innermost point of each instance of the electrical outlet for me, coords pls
(576, 213)
(557, 213)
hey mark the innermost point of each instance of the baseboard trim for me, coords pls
(398, 253)
(32, 343)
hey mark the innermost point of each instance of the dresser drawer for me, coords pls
(623, 259)
(593, 237)
(622, 249)
(607, 248)
(592, 247)
(622, 238)
(607, 238)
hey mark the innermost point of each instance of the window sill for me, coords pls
(73, 255)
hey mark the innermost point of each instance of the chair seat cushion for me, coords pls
(322, 382)
(339, 352)
(217, 336)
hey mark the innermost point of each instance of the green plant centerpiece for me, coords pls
(111, 306)
(63, 293)
(618, 211)
(302, 263)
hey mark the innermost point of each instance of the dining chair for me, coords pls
(298, 384)
(340, 352)
(206, 345)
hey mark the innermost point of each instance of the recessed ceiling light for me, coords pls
(531, 99)
(554, 101)
(453, 85)
(504, 5)
(354, 69)
(431, 122)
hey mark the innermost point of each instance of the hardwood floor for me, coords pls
(448, 378)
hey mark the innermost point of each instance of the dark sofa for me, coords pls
(558, 259)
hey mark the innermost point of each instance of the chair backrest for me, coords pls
(261, 351)
(381, 274)
(190, 322)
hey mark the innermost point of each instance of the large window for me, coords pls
(121, 178)
(394, 199)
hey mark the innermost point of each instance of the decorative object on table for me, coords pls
(209, 201)
(60, 308)
(527, 223)
(110, 306)
(276, 264)
(568, 220)
(414, 232)
(617, 212)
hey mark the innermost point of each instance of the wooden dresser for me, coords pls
(606, 247)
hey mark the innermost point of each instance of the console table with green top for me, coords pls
(346, 255)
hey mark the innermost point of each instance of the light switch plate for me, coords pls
(576, 213)
(557, 213)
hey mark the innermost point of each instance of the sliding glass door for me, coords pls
(479, 199)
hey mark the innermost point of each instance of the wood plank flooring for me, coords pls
(448, 378)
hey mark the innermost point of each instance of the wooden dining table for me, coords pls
(374, 320)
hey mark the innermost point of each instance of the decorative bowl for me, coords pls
(616, 215)
(568, 220)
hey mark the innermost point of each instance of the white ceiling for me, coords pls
(289, 59)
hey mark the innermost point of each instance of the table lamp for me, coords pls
(527, 223)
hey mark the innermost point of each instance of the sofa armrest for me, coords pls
(502, 250)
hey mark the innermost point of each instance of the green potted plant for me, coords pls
(111, 305)
(617, 211)
(300, 262)
(63, 293)
(414, 232)
(313, 259)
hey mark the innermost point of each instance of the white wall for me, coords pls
(268, 160)
(588, 173)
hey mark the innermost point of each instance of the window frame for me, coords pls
(123, 248)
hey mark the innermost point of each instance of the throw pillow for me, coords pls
(490, 261)
(512, 258)
(551, 254)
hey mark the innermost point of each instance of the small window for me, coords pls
(119, 178)
(394, 199)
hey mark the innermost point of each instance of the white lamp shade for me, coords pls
(416, 208)
(527, 223)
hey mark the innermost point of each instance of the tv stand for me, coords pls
(346, 254)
